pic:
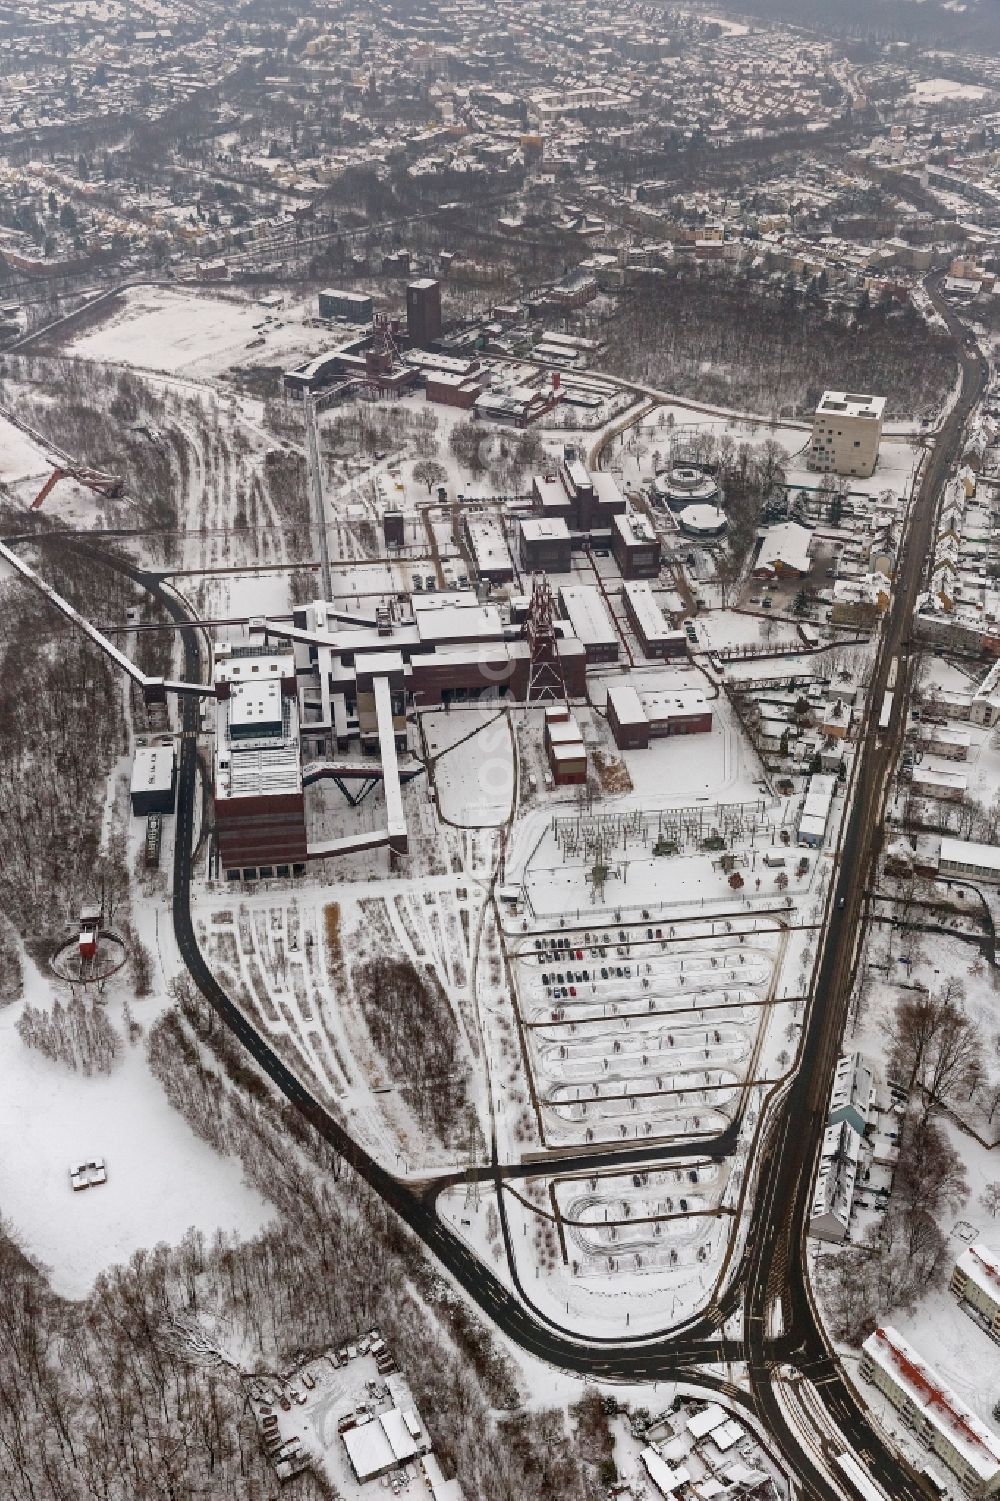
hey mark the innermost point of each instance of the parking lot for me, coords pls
(642, 1031)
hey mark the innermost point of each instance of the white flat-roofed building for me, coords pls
(701, 1424)
(583, 607)
(967, 860)
(656, 635)
(627, 718)
(551, 496)
(939, 1418)
(677, 711)
(369, 1450)
(488, 546)
(975, 1281)
(153, 780)
(461, 621)
(235, 666)
(635, 545)
(259, 804)
(815, 813)
(847, 431)
(255, 710)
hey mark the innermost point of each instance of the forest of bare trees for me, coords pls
(112, 1398)
(412, 1026)
(78, 1035)
(61, 727)
(739, 340)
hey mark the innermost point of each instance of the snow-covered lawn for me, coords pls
(202, 333)
(162, 1179)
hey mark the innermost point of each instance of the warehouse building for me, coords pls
(627, 718)
(544, 545)
(487, 544)
(635, 545)
(354, 307)
(259, 799)
(975, 1282)
(655, 634)
(552, 500)
(847, 431)
(937, 1416)
(607, 502)
(636, 718)
(451, 390)
(153, 785)
(586, 502)
(677, 711)
(583, 607)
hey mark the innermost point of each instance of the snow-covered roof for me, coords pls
(702, 518)
(848, 404)
(982, 1266)
(369, 1450)
(703, 1422)
(587, 614)
(649, 617)
(460, 623)
(978, 1445)
(635, 529)
(968, 852)
(787, 544)
(153, 769)
(665, 703)
(835, 1178)
(627, 704)
(927, 776)
(544, 529)
(607, 490)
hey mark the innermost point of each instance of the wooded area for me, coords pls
(736, 339)
(134, 1394)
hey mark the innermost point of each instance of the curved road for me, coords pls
(772, 1275)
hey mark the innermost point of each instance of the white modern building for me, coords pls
(847, 431)
(938, 1417)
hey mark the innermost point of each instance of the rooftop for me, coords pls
(978, 1445)
(850, 404)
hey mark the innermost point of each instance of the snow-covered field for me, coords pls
(202, 333)
(162, 1179)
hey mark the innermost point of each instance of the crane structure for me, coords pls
(107, 485)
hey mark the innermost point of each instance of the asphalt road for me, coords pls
(772, 1272)
(780, 1217)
